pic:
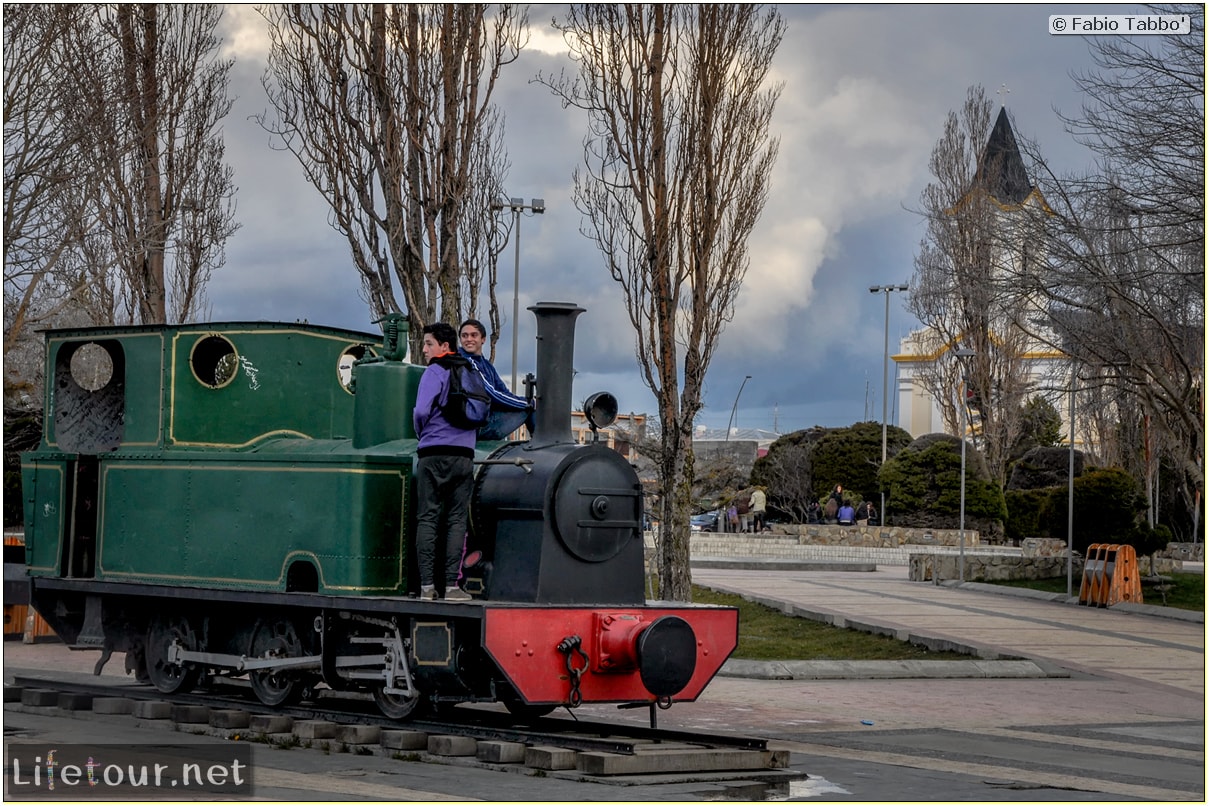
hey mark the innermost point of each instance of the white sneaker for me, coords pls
(456, 594)
(428, 592)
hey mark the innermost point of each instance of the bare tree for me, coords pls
(787, 470)
(388, 108)
(116, 202)
(483, 238)
(977, 239)
(1144, 117)
(143, 102)
(676, 173)
(1126, 289)
(42, 184)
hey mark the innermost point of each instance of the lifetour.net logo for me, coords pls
(108, 772)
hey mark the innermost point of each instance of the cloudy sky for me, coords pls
(867, 89)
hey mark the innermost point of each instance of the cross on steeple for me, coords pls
(1003, 92)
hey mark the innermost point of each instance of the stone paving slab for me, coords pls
(1138, 642)
(884, 670)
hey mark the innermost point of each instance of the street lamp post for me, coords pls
(962, 354)
(517, 206)
(874, 289)
(735, 407)
(1070, 490)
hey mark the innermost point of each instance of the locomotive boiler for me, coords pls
(236, 500)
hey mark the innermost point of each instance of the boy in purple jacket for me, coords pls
(444, 468)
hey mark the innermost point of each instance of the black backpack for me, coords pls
(466, 404)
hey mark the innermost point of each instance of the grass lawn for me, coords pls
(1187, 593)
(768, 634)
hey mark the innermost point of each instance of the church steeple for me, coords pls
(1001, 171)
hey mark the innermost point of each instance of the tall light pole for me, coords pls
(517, 206)
(874, 289)
(1070, 490)
(735, 407)
(963, 354)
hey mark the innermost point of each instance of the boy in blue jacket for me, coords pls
(508, 411)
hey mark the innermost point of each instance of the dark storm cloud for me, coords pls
(866, 92)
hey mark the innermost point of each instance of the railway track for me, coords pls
(605, 751)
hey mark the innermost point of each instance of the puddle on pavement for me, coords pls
(771, 791)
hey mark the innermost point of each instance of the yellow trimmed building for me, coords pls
(928, 353)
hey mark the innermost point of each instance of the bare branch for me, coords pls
(388, 109)
(675, 175)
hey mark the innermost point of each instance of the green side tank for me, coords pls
(205, 454)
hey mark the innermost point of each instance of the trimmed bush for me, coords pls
(1147, 541)
(1106, 509)
(851, 457)
(1023, 513)
(924, 488)
(1044, 467)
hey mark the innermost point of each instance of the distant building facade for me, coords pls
(619, 436)
(924, 352)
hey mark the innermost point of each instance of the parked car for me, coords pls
(704, 521)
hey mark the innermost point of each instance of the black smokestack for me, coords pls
(555, 353)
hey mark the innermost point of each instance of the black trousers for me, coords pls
(443, 487)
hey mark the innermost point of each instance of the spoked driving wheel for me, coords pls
(162, 635)
(397, 706)
(273, 639)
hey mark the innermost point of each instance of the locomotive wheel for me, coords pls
(396, 706)
(275, 638)
(167, 677)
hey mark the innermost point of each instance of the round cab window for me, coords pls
(344, 367)
(91, 367)
(214, 361)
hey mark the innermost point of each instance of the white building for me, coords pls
(1002, 176)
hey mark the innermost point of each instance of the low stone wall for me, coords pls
(1042, 547)
(826, 534)
(1167, 561)
(981, 567)
(1035, 558)
(987, 567)
(1149, 566)
(1192, 552)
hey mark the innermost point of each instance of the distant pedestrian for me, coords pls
(759, 504)
(862, 513)
(743, 507)
(830, 509)
(846, 516)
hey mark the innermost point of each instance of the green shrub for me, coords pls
(923, 482)
(806, 465)
(851, 457)
(1106, 508)
(1023, 513)
(1146, 541)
